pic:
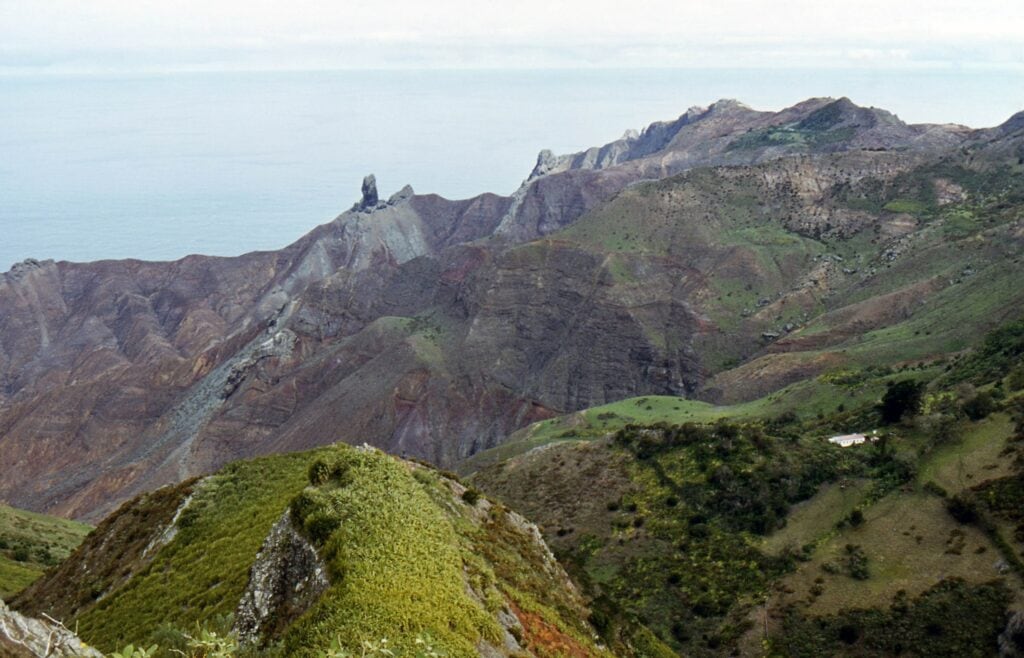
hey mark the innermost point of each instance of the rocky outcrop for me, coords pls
(369, 200)
(286, 579)
(401, 195)
(25, 637)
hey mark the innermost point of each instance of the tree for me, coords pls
(979, 406)
(902, 399)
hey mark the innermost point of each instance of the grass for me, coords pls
(897, 559)
(815, 518)
(203, 571)
(30, 543)
(807, 398)
(909, 538)
(394, 562)
(972, 459)
(16, 576)
(908, 206)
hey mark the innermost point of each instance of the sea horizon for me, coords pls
(158, 166)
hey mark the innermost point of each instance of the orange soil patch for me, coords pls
(544, 638)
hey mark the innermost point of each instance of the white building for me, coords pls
(847, 440)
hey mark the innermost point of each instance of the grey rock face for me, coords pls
(285, 580)
(401, 195)
(25, 636)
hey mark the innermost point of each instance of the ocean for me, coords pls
(161, 166)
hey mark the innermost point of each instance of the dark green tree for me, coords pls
(901, 400)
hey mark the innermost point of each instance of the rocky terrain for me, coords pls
(723, 256)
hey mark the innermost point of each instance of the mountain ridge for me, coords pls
(135, 374)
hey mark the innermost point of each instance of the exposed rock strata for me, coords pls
(286, 579)
(25, 637)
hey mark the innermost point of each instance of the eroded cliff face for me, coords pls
(25, 637)
(434, 328)
(286, 579)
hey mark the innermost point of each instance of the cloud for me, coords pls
(185, 34)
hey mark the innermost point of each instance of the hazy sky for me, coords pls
(144, 35)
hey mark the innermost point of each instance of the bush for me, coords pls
(979, 406)
(320, 525)
(933, 487)
(319, 473)
(1015, 380)
(857, 562)
(856, 517)
(470, 496)
(962, 509)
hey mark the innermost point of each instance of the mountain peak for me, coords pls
(727, 104)
(1013, 124)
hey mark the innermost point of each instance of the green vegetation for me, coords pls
(902, 399)
(31, 543)
(418, 564)
(808, 133)
(953, 618)
(1001, 351)
(692, 526)
(393, 556)
(203, 571)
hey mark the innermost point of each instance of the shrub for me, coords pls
(319, 473)
(933, 487)
(1015, 380)
(849, 633)
(979, 406)
(962, 509)
(320, 525)
(470, 496)
(857, 562)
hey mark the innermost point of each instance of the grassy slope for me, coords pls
(401, 550)
(201, 573)
(42, 540)
(909, 539)
(727, 226)
(819, 395)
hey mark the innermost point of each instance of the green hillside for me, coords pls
(31, 543)
(741, 528)
(413, 561)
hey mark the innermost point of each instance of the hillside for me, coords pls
(332, 550)
(31, 543)
(721, 256)
(743, 529)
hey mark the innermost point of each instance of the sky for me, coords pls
(99, 36)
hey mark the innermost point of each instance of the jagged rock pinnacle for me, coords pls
(369, 201)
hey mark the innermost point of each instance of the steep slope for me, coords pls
(436, 328)
(338, 546)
